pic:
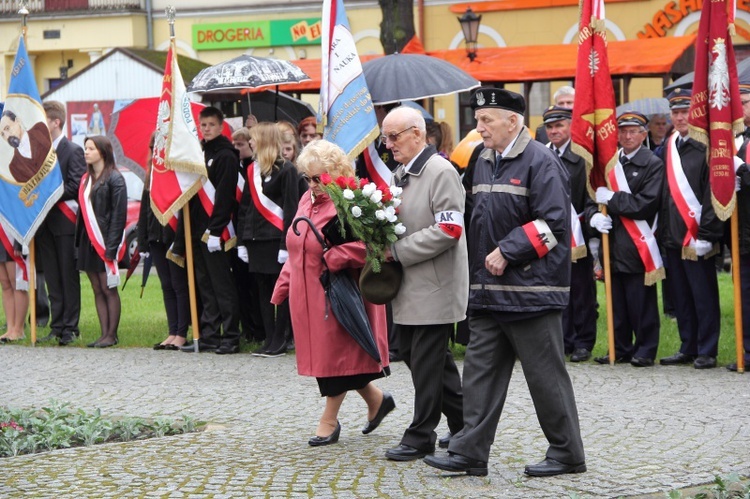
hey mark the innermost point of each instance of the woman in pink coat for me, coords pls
(324, 348)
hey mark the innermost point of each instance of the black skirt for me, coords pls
(88, 258)
(336, 385)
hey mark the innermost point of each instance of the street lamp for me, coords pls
(470, 26)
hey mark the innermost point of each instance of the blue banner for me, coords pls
(346, 110)
(30, 177)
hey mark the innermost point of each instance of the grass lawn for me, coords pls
(144, 322)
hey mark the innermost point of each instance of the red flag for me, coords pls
(177, 167)
(594, 124)
(715, 111)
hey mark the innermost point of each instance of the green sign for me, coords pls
(256, 34)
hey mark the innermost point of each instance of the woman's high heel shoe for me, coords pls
(317, 441)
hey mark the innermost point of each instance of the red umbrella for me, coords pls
(131, 127)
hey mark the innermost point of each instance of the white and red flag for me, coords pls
(715, 110)
(177, 167)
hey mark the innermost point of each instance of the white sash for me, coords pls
(685, 199)
(577, 243)
(96, 237)
(265, 205)
(376, 168)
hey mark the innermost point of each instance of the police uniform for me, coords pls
(634, 302)
(579, 318)
(691, 277)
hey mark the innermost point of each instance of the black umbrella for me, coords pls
(246, 71)
(146, 271)
(274, 106)
(133, 264)
(686, 81)
(345, 300)
(398, 77)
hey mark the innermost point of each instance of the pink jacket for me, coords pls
(324, 348)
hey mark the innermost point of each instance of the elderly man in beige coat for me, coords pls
(435, 286)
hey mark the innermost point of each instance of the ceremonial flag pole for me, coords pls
(177, 167)
(594, 123)
(346, 113)
(715, 118)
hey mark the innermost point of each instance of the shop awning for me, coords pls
(637, 58)
(647, 57)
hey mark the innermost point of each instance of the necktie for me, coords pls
(498, 157)
(680, 141)
(624, 160)
(558, 151)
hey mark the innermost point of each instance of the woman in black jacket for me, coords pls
(154, 240)
(269, 202)
(100, 233)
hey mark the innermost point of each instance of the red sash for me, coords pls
(688, 205)
(265, 205)
(376, 168)
(207, 195)
(68, 208)
(94, 231)
(640, 233)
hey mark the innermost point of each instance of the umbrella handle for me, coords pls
(318, 235)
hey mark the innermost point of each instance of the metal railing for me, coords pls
(10, 7)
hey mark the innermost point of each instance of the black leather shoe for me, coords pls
(227, 349)
(641, 362)
(386, 406)
(393, 356)
(190, 348)
(604, 359)
(704, 362)
(66, 340)
(159, 346)
(457, 464)
(581, 355)
(732, 367)
(406, 453)
(49, 337)
(317, 441)
(445, 440)
(677, 359)
(550, 467)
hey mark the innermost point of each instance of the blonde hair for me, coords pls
(241, 134)
(290, 138)
(267, 145)
(446, 145)
(327, 155)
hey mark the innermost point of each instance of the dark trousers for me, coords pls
(579, 318)
(63, 281)
(695, 297)
(247, 294)
(745, 288)
(437, 384)
(275, 319)
(636, 312)
(488, 366)
(214, 279)
(174, 289)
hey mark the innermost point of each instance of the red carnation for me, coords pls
(387, 196)
(351, 182)
(325, 178)
(341, 182)
(363, 182)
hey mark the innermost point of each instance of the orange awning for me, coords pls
(642, 57)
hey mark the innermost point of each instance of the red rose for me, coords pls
(351, 182)
(363, 182)
(341, 182)
(325, 178)
(387, 196)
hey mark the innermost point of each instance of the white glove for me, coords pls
(113, 280)
(213, 243)
(603, 195)
(703, 247)
(737, 184)
(601, 222)
(283, 256)
(144, 254)
(242, 254)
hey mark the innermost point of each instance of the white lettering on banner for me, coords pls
(345, 65)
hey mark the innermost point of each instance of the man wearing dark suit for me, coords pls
(579, 318)
(55, 236)
(564, 97)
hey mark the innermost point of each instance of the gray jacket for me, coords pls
(435, 286)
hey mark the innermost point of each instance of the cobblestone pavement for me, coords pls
(645, 431)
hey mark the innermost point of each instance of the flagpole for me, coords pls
(191, 276)
(608, 295)
(734, 222)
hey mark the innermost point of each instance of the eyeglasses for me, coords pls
(308, 179)
(393, 137)
(631, 131)
(744, 101)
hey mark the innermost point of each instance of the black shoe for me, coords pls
(677, 359)
(604, 359)
(394, 356)
(227, 349)
(67, 339)
(260, 352)
(52, 336)
(386, 406)
(269, 354)
(190, 348)
(704, 362)
(159, 346)
(581, 355)
(550, 467)
(641, 362)
(732, 367)
(317, 441)
(445, 440)
(406, 453)
(457, 464)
